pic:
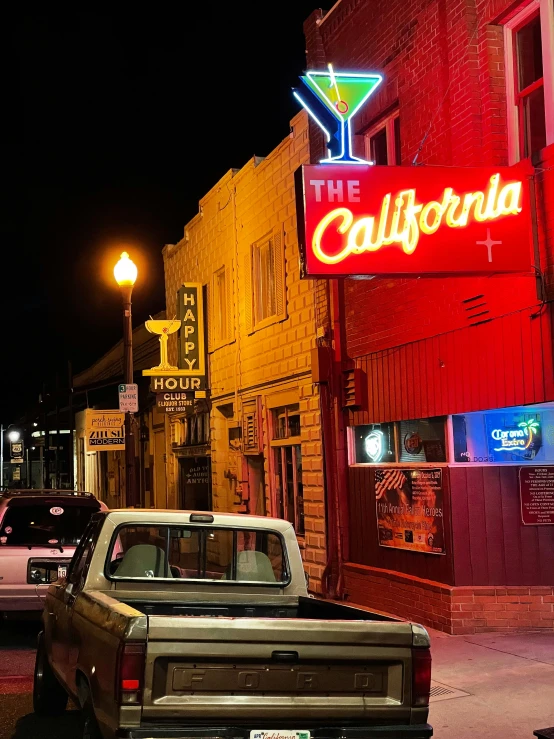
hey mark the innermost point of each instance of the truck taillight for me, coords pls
(421, 677)
(130, 674)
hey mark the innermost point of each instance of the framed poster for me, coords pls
(536, 492)
(410, 509)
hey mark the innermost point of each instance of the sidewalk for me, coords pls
(503, 685)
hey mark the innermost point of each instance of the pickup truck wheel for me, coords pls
(90, 726)
(49, 698)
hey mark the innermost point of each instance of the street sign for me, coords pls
(128, 398)
(16, 473)
(17, 460)
(105, 431)
(16, 448)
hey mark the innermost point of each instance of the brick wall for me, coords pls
(455, 610)
(240, 209)
(443, 63)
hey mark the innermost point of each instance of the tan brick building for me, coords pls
(258, 442)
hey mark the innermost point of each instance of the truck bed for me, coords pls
(307, 608)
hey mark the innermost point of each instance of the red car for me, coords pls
(39, 530)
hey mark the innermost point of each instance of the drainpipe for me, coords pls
(333, 432)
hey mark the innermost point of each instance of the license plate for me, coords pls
(276, 734)
(62, 572)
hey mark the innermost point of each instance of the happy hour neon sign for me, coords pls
(407, 219)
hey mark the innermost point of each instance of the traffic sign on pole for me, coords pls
(128, 398)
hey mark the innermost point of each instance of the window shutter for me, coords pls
(280, 281)
(251, 428)
(248, 297)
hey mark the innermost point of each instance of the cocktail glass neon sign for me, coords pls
(331, 99)
(516, 439)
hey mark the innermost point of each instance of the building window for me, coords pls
(421, 440)
(287, 466)
(265, 284)
(195, 429)
(529, 45)
(220, 307)
(519, 436)
(382, 141)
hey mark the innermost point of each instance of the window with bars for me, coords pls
(265, 282)
(382, 141)
(529, 45)
(195, 429)
(287, 466)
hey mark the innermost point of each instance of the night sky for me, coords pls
(115, 124)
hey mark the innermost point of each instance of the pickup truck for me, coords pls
(178, 624)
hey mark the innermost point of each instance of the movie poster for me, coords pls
(410, 511)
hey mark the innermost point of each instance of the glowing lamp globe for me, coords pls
(125, 271)
(14, 435)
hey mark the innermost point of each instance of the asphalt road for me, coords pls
(17, 659)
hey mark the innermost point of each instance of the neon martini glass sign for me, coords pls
(332, 99)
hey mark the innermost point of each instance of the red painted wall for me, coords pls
(448, 52)
(424, 349)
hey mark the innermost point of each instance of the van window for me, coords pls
(49, 523)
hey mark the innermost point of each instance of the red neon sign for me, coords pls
(413, 220)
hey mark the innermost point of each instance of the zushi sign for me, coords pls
(374, 220)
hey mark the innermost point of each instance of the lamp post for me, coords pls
(125, 273)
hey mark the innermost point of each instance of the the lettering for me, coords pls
(409, 218)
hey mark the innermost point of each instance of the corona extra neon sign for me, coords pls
(413, 220)
(332, 99)
(516, 439)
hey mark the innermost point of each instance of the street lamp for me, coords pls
(125, 273)
(13, 435)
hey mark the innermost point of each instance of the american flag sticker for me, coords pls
(388, 480)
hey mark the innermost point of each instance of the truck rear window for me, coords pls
(46, 523)
(193, 553)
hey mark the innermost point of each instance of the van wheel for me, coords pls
(49, 698)
(90, 726)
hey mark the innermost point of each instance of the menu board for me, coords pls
(536, 490)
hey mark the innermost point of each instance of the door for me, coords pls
(195, 483)
(160, 479)
(256, 485)
(60, 607)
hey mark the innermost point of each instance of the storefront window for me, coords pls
(520, 435)
(417, 441)
(287, 465)
(375, 443)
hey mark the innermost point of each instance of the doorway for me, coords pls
(256, 485)
(195, 483)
